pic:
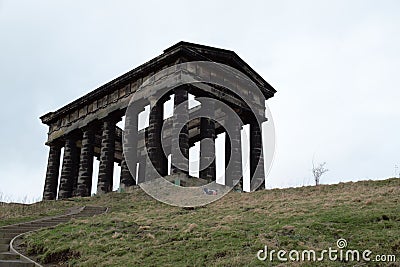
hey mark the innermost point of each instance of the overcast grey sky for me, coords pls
(335, 65)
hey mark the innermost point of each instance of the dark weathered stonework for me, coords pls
(256, 155)
(227, 150)
(86, 128)
(69, 171)
(207, 150)
(180, 136)
(142, 170)
(106, 167)
(53, 167)
(234, 172)
(131, 149)
(153, 139)
(84, 186)
(126, 178)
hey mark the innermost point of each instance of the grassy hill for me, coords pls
(139, 231)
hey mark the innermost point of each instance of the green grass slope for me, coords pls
(139, 231)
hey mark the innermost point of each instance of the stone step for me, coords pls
(22, 226)
(93, 209)
(15, 263)
(11, 227)
(18, 230)
(4, 247)
(59, 220)
(85, 214)
(90, 212)
(42, 224)
(55, 223)
(9, 256)
(5, 240)
(8, 234)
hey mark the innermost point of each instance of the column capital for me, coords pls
(165, 98)
(72, 136)
(57, 143)
(183, 87)
(91, 127)
(113, 117)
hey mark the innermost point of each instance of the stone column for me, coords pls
(84, 187)
(130, 151)
(227, 150)
(53, 167)
(106, 167)
(76, 171)
(235, 171)
(126, 179)
(69, 171)
(207, 149)
(256, 156)
(153, 139)
(180, 165)
(142, 171)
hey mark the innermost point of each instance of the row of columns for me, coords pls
(77, 163)
(180, 153)
(179, 139)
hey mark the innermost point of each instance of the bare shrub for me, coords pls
(318, 171)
